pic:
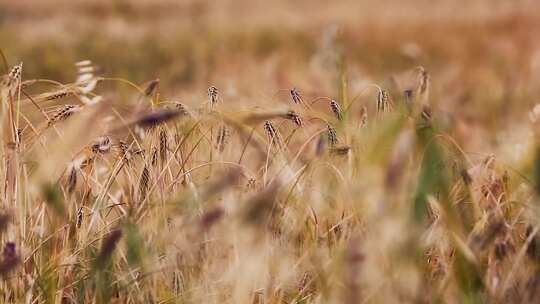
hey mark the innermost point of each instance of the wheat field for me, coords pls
(269, 152)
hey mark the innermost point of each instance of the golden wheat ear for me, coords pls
(331, 135)
(213, 96)
(336, 109)
(273, 134)
(295, 118)
(222, 138)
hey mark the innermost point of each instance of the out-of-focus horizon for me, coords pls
(186, 42)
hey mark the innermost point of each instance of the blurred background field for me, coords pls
(259, 47)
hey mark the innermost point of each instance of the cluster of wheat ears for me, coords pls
(313, 200)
